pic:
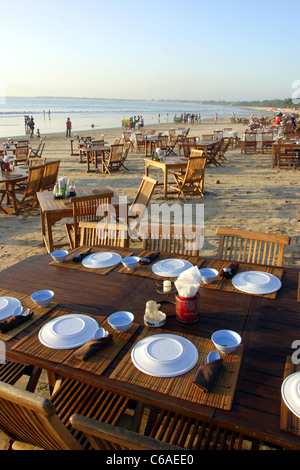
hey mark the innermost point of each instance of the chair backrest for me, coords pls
(89, 208)
(103, 436)
(21, 153)
(35, 176)
(180, 239)
(251, 247)
(218, 135)
(116, 152)
(195, 167)
(207, 137)
(143, 196)
(99, 234)
(286, 155)
(31, 418)
(34, 161)
(50, 175)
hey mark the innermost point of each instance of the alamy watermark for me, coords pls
(173, 219)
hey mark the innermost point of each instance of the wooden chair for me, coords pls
(29, 191)
(286, 155)
(114, 159)
(87, 208)
(140, 141)
(36, 422)
(251, 247)
(11, 372)
(172, 239)
(21, 154)
(38, 152)
(249, 143)
(124, 156)
(142, 198)
(213, 153)
(225, 144)
(195, 434)
(50, 175)
(218, 135)
(36, 161)
(191, 180)
(267, 140)
(98, 234)
(126, 140)
(103, 436)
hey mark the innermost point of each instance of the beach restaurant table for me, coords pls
(53, 210)
(267, 324)
(204, 145)
(274, 156)
(169, 163)
(91, 156)
(9, 179)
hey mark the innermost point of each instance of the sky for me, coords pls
(151, 49)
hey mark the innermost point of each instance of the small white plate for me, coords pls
(164, 355)
(68, 331)
(101, 260)
(290, 391)
(256, 282)
(7, 306)
(171, 267)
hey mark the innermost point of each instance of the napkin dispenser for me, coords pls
(187, 308)
(187, 297)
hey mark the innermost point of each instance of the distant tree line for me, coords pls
(275, 103)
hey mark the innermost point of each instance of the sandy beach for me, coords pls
(243, 192)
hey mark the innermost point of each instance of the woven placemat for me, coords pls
(96, 364)
(26, 303)
(220, 396)
(145, 270)
(69, 263)
(226, 284)
(288, 421)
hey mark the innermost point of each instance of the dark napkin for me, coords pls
(233, 270)
(207, 374)
(78, 257)
(150, 258)
(92, 346)
(13, 322)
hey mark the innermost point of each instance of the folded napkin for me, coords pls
(92, 346)
(150, 258)
(207, 374)
(12, 322)
(188, 282)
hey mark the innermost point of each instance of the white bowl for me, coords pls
(59, 255)
(131, 262)
(42, 298)
(226, 341)
(209, 275)
(121, 321)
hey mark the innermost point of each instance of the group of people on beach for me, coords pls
(187, 118)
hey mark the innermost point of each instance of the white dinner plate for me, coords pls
(256, 282)
(101, 260)
(171, 267)
(290, 391)
(68, 331)
(164, 355)
(7, 306)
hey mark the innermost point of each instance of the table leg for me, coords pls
(165, 170)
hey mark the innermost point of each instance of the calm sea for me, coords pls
(50, 114)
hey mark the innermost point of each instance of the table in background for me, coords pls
(53, 210)
(9, 179)
(274, 156)
(169, 163)
(268, 327)
(205, 145)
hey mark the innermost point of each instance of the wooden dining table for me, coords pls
(274, 154)
(204, 145)
(9, 179)
(92, 154)
(247, 400)
(167, 164)
(53, 210)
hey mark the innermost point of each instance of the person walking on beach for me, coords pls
(31, 125)
(216, 118)
(68, 127)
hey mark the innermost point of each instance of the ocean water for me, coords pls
(50, 114)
